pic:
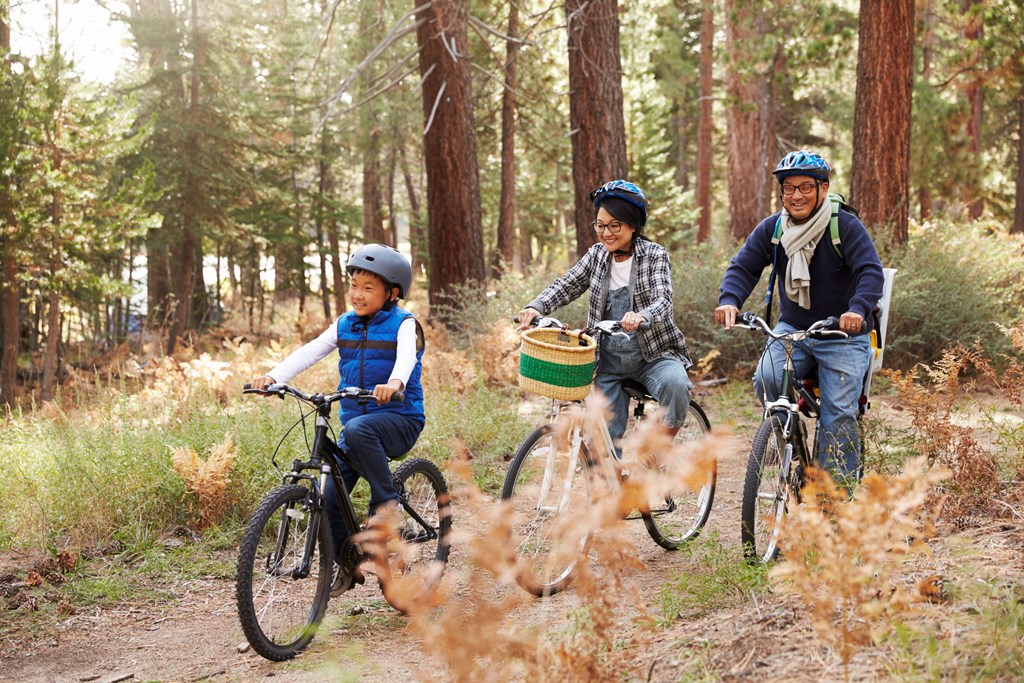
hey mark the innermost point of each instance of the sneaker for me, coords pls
(342, 581)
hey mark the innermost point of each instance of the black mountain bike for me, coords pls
(784, 446)
(285, 565)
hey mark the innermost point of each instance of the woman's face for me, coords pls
(613, 233)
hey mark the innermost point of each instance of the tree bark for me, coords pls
(751, 140)
(596, 121)
(11, 318)
(449, 149)
(506, 252)
(1018, 210)
(880, 185)
(975, 94)
(704, 122)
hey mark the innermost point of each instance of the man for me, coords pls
(816, 279)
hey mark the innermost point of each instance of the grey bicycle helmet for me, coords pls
(385, 262)
(802, 162)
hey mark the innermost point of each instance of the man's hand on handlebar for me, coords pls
(726, 315)
(851, 323)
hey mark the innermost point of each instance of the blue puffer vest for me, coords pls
(367, 351)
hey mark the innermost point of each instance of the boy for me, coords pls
(380, 345)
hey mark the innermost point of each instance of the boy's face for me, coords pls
(367, 293)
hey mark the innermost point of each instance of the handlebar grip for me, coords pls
(645, 325)
(830, 323)
(515, 318)
(398, 397)
(246, 387)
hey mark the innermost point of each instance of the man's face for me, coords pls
(801, 195)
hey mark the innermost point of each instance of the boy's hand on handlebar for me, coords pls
(726, 315)
(383, 392)
(262, 383)
(526, 316)
(631, 321)
(851, 323)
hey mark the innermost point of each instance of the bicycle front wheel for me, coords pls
(546, 483)
(675, 517)
(284, 573)
(424, 533)
(765, 492)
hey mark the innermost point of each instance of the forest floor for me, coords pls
(187, 629)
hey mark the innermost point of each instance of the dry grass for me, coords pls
(477, 631)
(841, 555)
(207, 479)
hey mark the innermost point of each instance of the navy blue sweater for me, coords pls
(853, 283)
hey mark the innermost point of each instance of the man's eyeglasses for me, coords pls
(614, 227)
(805, 188)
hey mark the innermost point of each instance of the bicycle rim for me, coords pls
(678, 516)
(418, 562)
(547, 493)
(764, 492)
(281, 592)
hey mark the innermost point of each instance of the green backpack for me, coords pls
(838, 202)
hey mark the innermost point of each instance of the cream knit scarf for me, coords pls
(799, 241)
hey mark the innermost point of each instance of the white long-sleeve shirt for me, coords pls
(321, 347)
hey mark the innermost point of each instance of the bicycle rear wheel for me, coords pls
(678, 516)
(284, 573)
(424, 533)
(765, 492)
(548, 487)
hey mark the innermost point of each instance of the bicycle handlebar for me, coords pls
(829, 327)
(606, 326)
(355, 393)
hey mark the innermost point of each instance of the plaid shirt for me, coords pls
(650, 291)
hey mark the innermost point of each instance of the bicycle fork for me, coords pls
(562, 503)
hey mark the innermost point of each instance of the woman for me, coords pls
(630, 280)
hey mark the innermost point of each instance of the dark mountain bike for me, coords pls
(285, 565)
(784, 446)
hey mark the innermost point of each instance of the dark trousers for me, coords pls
(371, 440)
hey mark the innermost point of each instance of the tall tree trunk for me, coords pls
(880, 184)
(751, 139)
(449, 149)
(506, 251)
(596, 121)
(414, 213)
(704, 122)
(974, 93)
(11, 319)
(373, 220)
(1018, 210)
(185, 266)
(927, 43)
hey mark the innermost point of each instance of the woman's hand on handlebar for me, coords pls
(526, 316)
(384, 392)
(631, 321)
(726, 315)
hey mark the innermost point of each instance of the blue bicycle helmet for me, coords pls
(386, 263)
(623, 189)
(802, 162)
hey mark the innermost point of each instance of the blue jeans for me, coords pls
(665, 379)
(371, 440)
(842, 365)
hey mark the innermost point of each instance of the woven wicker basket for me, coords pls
(556, 364)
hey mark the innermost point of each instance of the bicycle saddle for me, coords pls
(636, 390)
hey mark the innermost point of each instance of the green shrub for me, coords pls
(953, 285)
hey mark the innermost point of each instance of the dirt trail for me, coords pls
(194, 635)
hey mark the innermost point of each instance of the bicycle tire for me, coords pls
(425, 545)
(279, 606)
(674, 519)
(765, 494)
(547, 546)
